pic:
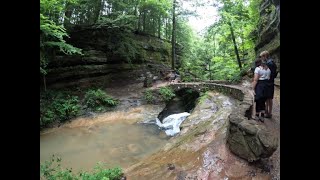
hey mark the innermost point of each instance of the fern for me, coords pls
(98, 99)
(121, 21)
(64, 47)
(148, 96)
(166, 93)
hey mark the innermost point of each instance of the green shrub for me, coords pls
(203, 96)
(186, 77)
(57, 106)
(101, 173)
(98, 100)
(235, 78)
(47, 118)
(66, 108)
(148, 96)
(52, 170)
(166, 93)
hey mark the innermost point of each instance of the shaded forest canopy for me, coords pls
(224, 51)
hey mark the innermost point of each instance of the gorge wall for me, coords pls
(269, 29)
(108, 54)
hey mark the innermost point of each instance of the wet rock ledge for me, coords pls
(246, 138)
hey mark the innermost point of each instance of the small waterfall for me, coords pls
(172, 123)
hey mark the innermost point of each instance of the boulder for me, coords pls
(250, 140)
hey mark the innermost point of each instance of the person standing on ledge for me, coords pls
(259, 85)
(265, 55)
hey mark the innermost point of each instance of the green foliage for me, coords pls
(58, 107)
(203, 96)
(214, 55)
(52, 170)
(155, 14)
(121, 21)
(119, 36)
(236, 78)
(205, 89)
(185, 77)
(47, 118)
(98, 100)
(103, 174)
(52, 33)
(166, 93)
(51, 38)
(189, 91)
(148, 96)
(224, 69)
(66, 108)
(127, 47)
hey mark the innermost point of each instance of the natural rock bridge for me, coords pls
(246, 138)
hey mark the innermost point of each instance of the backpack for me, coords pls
(273, 68)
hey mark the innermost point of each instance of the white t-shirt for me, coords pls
(264, 74)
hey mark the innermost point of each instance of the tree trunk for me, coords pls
(154, 27)
(97, 10)
(137, 15)
(235, 45)
(159, 27)
(214, 50)
(173, 41)
(166, 30)
(144, 20)
(81, 17)
(139, 22)
(210, 70)
(67, 14)
(44, 83)
(242, 42)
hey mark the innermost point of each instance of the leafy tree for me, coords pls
(227, 44)
(52, 33)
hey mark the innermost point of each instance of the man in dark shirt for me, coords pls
(265, 55)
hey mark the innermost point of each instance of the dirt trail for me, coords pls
(273, 124)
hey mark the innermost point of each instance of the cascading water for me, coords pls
(176, 111)
(172, 123)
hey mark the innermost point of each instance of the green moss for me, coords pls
(142, 54)
(203, 97)
(157, 56)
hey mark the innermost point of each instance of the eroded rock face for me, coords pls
(246, 138)
(200, 151)
(183, 102)
(148, 79)
(175, 106)
(203, 137)
(103, 58)
(269, 29)
(250, 140)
